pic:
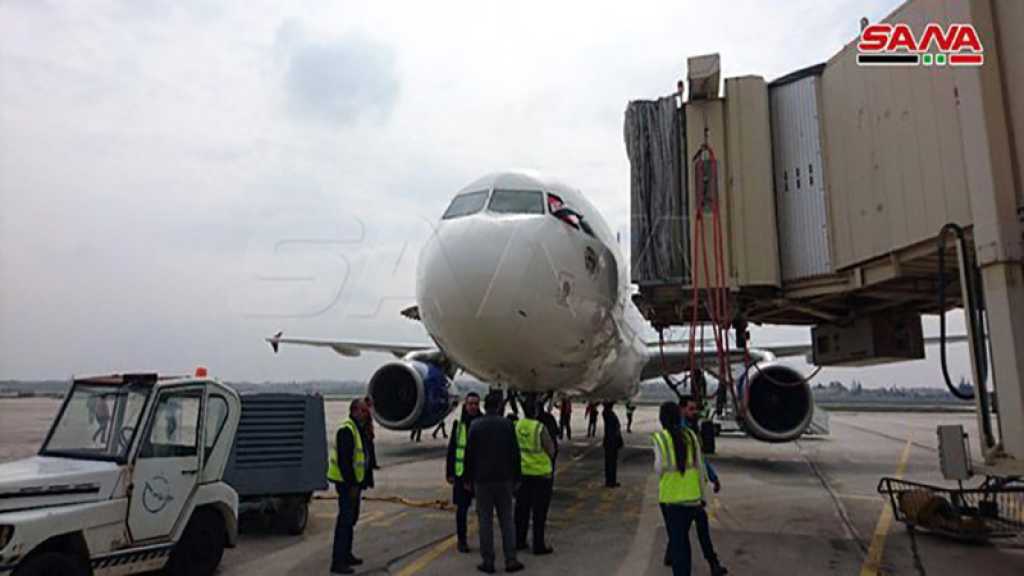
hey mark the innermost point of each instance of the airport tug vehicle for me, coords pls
(129, 479)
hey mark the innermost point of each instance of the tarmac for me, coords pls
(807, 507)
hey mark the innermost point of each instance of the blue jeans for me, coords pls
(678, 520)
(344, 527)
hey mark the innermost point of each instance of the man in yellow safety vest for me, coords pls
(462, 493)
(537, 450)
(347, 463)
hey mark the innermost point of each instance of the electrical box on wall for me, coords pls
(954, 454)
(867, 340)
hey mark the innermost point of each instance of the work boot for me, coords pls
(463, 547)
(353, 561)
(514, 566)
(717, 569)
(543, 551)
(486, 568)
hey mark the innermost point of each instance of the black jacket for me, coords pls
(346, 447)
(492, 451)
(453, 439)
(612, 431)
(554, 430)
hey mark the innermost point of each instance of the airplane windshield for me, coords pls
(517, 202)
(466, 204)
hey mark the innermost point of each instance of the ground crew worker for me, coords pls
(630, 409)
(565, 419)
(612, 443)
(347, 470)
(492, 465)
(681, 486)
(462, 495)
(371, 437)
(689, 414)
(537, 452)
(591, 414)
(440, 428)
(544, 417)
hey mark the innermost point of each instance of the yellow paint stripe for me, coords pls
(428, 557)
(874, 558)
(445, 545)
(391, 519)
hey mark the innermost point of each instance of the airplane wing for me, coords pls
(348, 347)
(677, 356)
(676, 359)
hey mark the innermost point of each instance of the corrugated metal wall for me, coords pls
(804, 247)
(659, 227)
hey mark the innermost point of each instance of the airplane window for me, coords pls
(465, 204)
(517, 202)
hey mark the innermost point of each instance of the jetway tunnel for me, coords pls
(830, 187)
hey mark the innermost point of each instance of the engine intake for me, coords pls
(778, 403)
(409, 394)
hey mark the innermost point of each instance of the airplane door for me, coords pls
(167, 467)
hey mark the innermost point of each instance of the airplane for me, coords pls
(522, 285)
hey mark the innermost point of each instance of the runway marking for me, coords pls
(391, 519)
(642, 546)
(428, 557)
(447, 544)
(874, 558)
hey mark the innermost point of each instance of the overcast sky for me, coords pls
(164, 165)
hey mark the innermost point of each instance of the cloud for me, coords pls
(177, 178)
(340, 81)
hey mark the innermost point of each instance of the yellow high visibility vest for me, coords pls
(460, 447)
(535, 461)
(675, 487)
(358, 455)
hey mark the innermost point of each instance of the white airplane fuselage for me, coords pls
(530, 301)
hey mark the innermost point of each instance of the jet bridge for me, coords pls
(818, 198)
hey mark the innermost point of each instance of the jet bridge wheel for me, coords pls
(201, 547)
(51, 564)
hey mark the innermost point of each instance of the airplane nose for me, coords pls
(512, 299)
(470, 268)
(470, 284)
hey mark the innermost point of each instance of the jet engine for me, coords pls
(777, 401)
(410, 394)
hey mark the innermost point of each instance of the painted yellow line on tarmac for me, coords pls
(423, 561)
(445, 545)
(874, 558)
(388, 521)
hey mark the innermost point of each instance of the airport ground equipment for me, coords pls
(129, 479)
(833, 183)
(994, 511)
(279, 457)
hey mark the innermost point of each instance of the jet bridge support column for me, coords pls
(993, 168)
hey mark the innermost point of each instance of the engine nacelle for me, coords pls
(410, 394)
(777, 402)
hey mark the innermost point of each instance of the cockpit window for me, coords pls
(517, 202)
(466, 204)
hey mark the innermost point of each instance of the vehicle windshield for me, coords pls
(97, 421)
